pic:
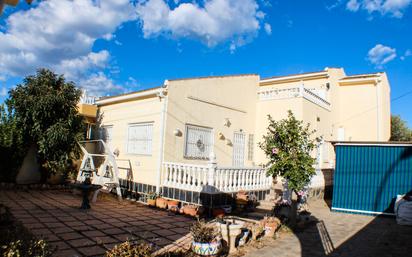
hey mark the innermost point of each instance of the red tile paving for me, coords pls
(74, 232)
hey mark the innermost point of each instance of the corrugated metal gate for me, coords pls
(368, 176)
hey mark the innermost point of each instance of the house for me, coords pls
(196, 139)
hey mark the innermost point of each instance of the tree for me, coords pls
(288, 145)
(399, 129)
(45, 109)
(11, 145)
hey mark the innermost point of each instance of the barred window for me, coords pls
(199, 142)
(251, 147)
(139, 138)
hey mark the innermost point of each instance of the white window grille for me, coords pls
(199, 142)
(139, 138)
(251, 147)
(238, 149)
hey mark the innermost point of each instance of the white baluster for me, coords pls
(174, 171)
(226, 181)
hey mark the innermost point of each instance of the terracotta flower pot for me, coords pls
(218, 213)
(151, 202)
(161, 203)
(190, 210)
(173, 205)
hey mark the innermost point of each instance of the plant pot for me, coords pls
(218, 213)
(161, 203)
(151, 202)
(244, 237)
(206, 249)
(229, 233)
(242, 196)
(190, 210)
(173, 205)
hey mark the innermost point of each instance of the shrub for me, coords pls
(128, 249)
(203, 232)
(17, 241)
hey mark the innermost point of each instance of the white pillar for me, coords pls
(161, 139)
(212, 165)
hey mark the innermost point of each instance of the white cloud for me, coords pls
(59, 34)
(3, 92)
(380, 55)
(407, 53)
(99, 84)
(353, 5)
(395, 8)
(268, 28)
(214, 22)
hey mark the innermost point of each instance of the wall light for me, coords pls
(177, 132)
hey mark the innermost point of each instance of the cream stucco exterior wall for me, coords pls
(358, 104)
(120, 115)
(208, 102)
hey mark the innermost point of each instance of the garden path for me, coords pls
(55, 215)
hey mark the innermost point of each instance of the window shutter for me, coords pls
(140, 137)
(251, 147)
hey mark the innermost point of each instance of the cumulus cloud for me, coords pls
(213, 22)
(99, 84)
(3, 92)
(353, 5)
(395, 8)
(407, 53)
(60, 34)
(380, 55)
(268, 28)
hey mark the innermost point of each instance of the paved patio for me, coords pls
(341, 234)
(55, 215)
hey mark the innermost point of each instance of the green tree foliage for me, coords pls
(399, 129)
(288, 145)
(12, 147)
(45, 109)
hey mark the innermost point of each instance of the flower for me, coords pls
(275, 150)
(301, 193)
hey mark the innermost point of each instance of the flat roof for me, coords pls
(130, 93)
(293, 75)
(362, 76)
(366, 143)
(217, 76)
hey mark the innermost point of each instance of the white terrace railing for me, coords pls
(275, 93)
(213, 179)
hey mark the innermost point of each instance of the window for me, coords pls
(199, 142)
(139, 138)
(238, 149)
(250, 147)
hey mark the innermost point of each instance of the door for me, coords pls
(238, 149)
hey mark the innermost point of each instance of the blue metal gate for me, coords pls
(368, 176)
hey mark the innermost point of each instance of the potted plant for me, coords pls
(206, 240)
(257, 230)
(151, 199)
(173, 205)
(218, 212)
(271, 224)
(161, 203)
(191, 210)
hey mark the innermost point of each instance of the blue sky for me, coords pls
(113, 46)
